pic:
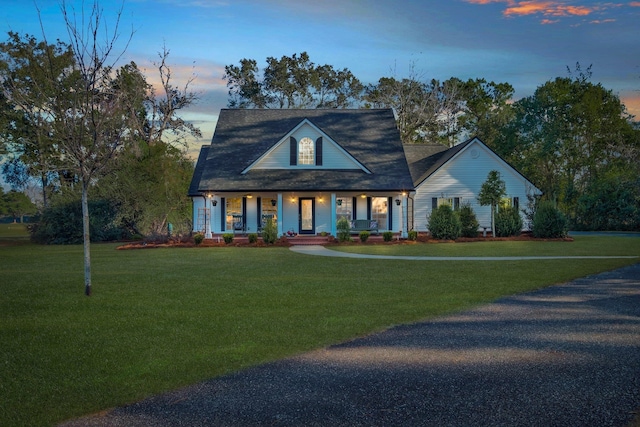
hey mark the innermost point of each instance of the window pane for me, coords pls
(234, 213)
(305, 152)
(343, 208)
(379, 211)
(269, 210)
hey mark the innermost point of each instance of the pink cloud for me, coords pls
(635, 4)
(546, 8)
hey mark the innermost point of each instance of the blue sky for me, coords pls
(524, 43)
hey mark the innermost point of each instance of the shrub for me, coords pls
(269, 232)
(508, 222)
(198, 238)
(387, 236)
(364, 236)
(412, 235)
(228, 238)
(548, 221)
(61, 223)
(253, 237)
(343, 228)
(609, 203)
(468, 221)
(444, 223)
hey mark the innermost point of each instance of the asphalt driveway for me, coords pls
(567, 355)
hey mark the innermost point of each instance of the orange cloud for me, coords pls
(635, 4)
(546, 8)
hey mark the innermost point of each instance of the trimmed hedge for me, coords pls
(549, 222)
(508, 222)
(468, 221)
(444, 223)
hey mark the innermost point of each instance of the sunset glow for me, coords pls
(521, 42)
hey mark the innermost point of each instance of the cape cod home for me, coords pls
(305, 169)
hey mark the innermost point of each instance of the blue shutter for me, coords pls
(259, 202)
(390, 213)
(434, 203)
(244, 213)
(319, 151)
(355, 208)
(293, 151)
(223, 215)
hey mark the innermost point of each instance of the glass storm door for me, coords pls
(307, 223)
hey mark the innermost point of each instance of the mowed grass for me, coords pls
(14, 231)
(163, 318)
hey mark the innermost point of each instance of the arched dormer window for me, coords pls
(306, 152)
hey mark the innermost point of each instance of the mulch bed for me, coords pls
(284, 242)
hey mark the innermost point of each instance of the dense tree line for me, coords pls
(573, 138)
(82, 126)
(145, 174)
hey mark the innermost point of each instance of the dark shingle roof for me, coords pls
(242, 136)
(425, 159)
(197, 173)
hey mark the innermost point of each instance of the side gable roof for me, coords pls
(197, 173)
(426, 160)
(243, 135)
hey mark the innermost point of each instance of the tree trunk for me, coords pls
(86, 239)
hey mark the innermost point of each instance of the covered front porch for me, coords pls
(297, 213)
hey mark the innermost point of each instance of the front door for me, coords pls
(306, 215)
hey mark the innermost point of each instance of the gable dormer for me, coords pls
(306, 147)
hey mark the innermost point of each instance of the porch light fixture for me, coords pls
(214, 202)
(321, 199)
(274, 202)
(339, 202)
(249, 196)
(364, 196)
(398, 202)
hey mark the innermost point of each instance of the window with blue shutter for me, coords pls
(319, 151)
(293, 151)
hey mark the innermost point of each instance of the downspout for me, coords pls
(412, 213)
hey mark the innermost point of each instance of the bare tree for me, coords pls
(93, 124)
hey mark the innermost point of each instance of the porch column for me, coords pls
(208, 213)
(332, 215)
(404, 216)
(280, 216)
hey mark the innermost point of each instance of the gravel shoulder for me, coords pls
(567, 355)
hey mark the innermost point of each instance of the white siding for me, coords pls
(323, 215)
(462, 177)
(332, 156)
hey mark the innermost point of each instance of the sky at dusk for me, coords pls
(524, 43)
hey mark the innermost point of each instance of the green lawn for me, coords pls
(163, 318)
(14, 231)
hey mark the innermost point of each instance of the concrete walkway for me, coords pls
(566, 355)
(322, 251)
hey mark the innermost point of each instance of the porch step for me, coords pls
(308, 240)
